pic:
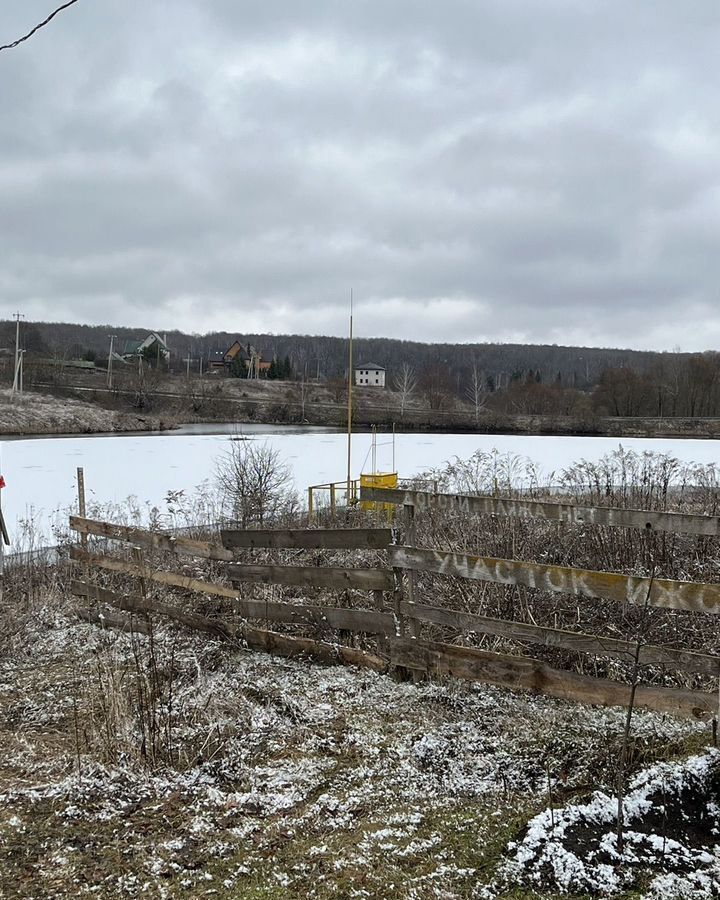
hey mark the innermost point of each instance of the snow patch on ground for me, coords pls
(575, 848)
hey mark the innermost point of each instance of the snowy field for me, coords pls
(294, 780)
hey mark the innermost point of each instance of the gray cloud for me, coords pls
(476, 171)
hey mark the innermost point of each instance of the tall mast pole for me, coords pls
(349, 420)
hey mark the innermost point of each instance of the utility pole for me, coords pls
(188, 361)
(110, 361)
(18, 356)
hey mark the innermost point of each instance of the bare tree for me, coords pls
(255, 485)
(302, 392)
(140, 383)
(438, 387)
(476, 391)
(338, 388)
(405, 384)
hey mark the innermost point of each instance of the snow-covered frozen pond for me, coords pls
(40, 472)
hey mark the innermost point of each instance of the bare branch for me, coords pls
(38, 27)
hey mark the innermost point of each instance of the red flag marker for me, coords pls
(2, 482)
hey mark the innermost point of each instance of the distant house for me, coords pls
(223, 361)
(152, 347)
(370, 374)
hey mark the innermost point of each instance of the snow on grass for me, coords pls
(290, 779)
(671, 822)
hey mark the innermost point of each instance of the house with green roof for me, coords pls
(153, 347)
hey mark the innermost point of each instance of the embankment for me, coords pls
(87, 407)
(38, 414)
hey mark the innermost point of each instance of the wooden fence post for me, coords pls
(410, 538)
(82, 510)
(332, 500)
(310, 505)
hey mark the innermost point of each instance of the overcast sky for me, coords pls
(516, 170)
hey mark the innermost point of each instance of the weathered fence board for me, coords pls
(314, 576)
(181, 581)
(193, 584)
(151, 539)
(616, 517)
(135, 603)
(530, 674)
(255, 638)
(309, 539)
(681, 660)
(682, 595)
(368, 621)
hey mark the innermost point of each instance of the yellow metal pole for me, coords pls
(349, 421)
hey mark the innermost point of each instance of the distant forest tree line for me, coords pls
(512, 378)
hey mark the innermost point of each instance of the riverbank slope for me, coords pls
(86, 406)
(37, 414)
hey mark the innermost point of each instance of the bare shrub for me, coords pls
(255, 485)
(487, 472)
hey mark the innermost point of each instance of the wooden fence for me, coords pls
(391, 614)
(613, 516)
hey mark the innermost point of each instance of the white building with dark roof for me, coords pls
(370, 375)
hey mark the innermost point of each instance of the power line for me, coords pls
(38, 27)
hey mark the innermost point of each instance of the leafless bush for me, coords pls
(488, 472)
(29, 578)
(254, 484)
(137, 700)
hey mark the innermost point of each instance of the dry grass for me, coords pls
(269, 778)
(33, 413)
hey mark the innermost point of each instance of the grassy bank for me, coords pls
(34, 414)
(86, 405)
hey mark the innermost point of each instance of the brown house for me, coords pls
(220, 361)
